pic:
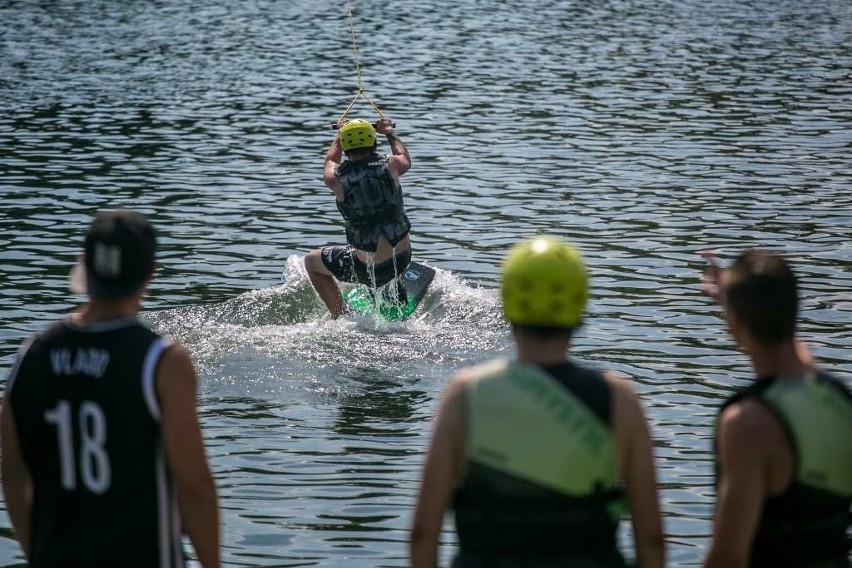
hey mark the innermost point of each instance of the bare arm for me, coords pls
(742, 487)
(332, 159)
(196, 490)
(711, 276)
(400, 161)
(439, 474)
(636, 467)
(17, 484)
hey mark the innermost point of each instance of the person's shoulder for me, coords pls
(834, 381)
(626, 416)
(747, 419)
(487, 369)
(175, 364)
(344, 166)
(748, 434)
(380, 160)
(51, 330)
(463, 377)
(470, 374)
(620, 385)
(38, 340)
(32, 353)
(175, 352)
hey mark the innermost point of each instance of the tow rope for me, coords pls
(361, 92)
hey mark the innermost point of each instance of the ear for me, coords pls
(738, 331)
(77, 276)
(735, 327)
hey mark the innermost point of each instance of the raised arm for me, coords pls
(196, 490)
(332, 159)
(636, 467)
(17, 484)
(400, 161)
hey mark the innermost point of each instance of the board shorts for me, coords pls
(345, 265)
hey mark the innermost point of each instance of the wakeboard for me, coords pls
(414, 283)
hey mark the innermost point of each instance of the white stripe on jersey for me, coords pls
(149, 374)
(169, 527)
(177, 549)
(171, 553)
(163, 509)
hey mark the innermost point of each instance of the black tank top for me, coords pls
(88, 421)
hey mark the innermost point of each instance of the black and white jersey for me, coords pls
(88, 420)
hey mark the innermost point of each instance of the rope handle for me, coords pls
(361, 93)
(338, 126)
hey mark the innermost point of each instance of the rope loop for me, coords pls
(361, 92)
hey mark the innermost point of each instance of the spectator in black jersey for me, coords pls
(103, 461)
(369, 197)
(784, 443)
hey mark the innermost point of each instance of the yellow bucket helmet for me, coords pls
(357, 133)
(544, 284)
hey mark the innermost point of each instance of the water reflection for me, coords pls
(642, 133)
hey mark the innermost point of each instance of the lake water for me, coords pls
(641, 131)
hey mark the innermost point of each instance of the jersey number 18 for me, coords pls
(93, 460)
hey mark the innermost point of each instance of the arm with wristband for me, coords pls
(400, 161)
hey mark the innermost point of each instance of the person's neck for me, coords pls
(777, 360)
(359, 156)
(98, 310)
(544, 352)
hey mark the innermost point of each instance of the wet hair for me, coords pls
(538, 332)
(761, 290)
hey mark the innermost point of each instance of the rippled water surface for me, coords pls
(642, 131)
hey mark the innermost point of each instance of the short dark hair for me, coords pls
(367, 150)
(761, 290)
(538, 332)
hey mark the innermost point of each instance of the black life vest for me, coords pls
(806, 525)
(372, 203)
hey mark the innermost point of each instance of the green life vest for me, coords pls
(806, 525)
(540, 476)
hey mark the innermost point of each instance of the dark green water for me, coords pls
(642, 131)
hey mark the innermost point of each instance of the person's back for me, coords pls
(102, 456)
(804, 523)
(534, 454)
(88, 423)
(372, 206)
(554, 498)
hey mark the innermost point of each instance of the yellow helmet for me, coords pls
(544, 284)
(357, 133)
